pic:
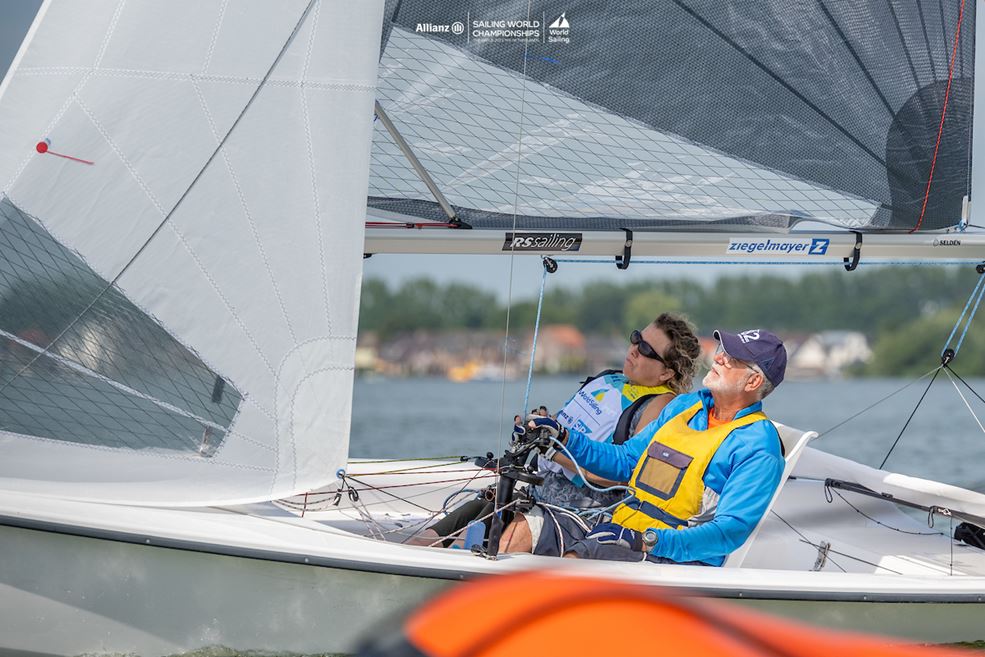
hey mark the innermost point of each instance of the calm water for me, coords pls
(433, 417)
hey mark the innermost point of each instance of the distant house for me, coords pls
(367, 347)
(560, 348)
(828, 353)
(708, 346)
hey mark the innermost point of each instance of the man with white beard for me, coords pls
(702, 473)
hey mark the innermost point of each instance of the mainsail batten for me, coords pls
(216, 208)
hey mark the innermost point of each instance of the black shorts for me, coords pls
(564, 533)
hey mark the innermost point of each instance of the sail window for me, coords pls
(84, 365)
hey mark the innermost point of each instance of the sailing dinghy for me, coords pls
(183, 216)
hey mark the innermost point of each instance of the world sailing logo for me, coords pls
(560, 23)
(591, 402)
(560, 30)
(774, 246)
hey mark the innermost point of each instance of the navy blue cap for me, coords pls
(757, 346)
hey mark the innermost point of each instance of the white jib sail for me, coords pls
(209, 159)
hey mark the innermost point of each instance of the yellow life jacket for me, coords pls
(668, 479)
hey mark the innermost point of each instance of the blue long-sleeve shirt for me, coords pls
(744, 472)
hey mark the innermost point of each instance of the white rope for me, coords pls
(961, 395)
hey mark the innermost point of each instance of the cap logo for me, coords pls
(749, 336)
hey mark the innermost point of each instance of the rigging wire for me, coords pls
(533, 346)
(961, 395)
(457, 532)
(979, 290)
(827, 494)
(516, 211)
(873, 405)
(454, 458)
(967, 385)
(807, 540)
(912, 413)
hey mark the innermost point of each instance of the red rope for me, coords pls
(940, 129)
(391, 224)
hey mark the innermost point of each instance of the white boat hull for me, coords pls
(66, 595)
(62, 594)
(81, 577)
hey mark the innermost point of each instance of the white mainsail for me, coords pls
(229, 147)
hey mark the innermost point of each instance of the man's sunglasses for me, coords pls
(730, 362)
(645, 348)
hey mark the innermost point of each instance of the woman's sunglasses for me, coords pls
(645, 348)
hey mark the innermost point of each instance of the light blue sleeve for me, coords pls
(753, 464)
(616, 462)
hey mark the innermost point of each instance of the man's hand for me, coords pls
(546, 425)
(609, 533)
(519, 433)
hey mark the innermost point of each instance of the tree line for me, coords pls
(905, 312)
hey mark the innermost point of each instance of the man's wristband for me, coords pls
(649, 539)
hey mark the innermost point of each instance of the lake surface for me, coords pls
(395, 418)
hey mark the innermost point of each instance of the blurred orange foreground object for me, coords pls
(546, 614)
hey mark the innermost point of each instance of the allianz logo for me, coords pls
(457, 27)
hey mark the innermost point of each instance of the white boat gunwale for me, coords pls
(841, 587)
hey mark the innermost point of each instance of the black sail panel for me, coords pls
(679, 113)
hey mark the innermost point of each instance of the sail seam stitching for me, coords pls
(247, 214)
(72, 97)
(109, 34)
(304, 111)
(215, 36)
(158, 452)
(119, 154)
(306, 116)
(178, 203)
(169, 75)
(225, 301)
(293, 443)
